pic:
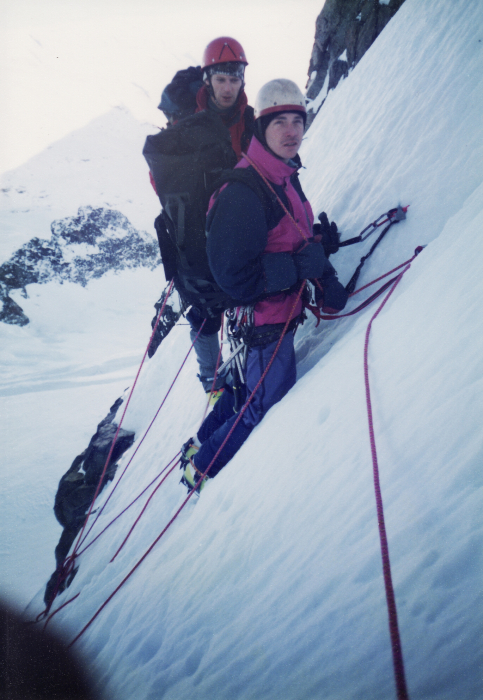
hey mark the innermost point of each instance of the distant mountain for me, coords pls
(81, 248)
(99, 165)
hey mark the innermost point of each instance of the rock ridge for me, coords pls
(81, 248)
(344, 30)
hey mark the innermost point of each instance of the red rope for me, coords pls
(122, 418)
(128, 506)
(392, 611)
(69, 562)
(367, 301)
(397, 656)
(135, 567)
(142, 511)
(57, 610)
(386, 274)
(248, 401)
(147, 430)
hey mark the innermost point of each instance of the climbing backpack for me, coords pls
(185, 160)
(178, 99)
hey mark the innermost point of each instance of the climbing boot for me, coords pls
(214, 395)
(191, 475)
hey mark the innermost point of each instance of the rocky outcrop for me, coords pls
(78, 486)
(344, 30)
(81, 248)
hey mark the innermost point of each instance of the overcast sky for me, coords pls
(64, 62)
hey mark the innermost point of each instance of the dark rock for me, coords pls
(81, 248)
(349, 26)
(339, 69)
(78, 486)
(10, 311)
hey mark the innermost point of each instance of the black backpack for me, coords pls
(186, 160)
(178, 99)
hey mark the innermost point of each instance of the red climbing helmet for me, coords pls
(223, 50)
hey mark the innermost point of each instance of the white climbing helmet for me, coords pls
(279, 95)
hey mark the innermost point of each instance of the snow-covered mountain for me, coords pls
(60, 372)
(81, 248)
(270, 586)
(99, 166)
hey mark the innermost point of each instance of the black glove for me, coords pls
(330, 234)
(310, 260)
(333, 296)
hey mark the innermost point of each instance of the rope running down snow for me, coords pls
(392, 611)
(189, 496)
(398, 661)
(359, 308)
(69, 562)
(146, 432)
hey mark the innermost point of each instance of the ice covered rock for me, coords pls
(78, 485)
(344, 30)
(81, 248)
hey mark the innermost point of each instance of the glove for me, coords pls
(333, 296)
(279, 271)
(310, 260)
(330, 234)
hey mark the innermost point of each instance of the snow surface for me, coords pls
(270, 585)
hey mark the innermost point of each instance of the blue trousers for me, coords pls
(279, 380)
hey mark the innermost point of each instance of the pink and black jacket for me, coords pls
(250, 243)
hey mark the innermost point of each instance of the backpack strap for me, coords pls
(249, 119)
(249, 178)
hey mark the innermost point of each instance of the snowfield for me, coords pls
(269, 585)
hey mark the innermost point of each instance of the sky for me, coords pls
(64, 62)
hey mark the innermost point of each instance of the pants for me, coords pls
(207, 347)
(279, 380)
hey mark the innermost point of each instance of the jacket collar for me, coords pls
(273, 168)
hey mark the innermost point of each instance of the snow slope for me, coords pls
(59, 374)
(270, 586)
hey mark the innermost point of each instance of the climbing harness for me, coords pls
(238, 323)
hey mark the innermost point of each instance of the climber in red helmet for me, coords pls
(216, 87)
(223, 91)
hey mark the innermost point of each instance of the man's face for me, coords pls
(284, 134)
(225, 89)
